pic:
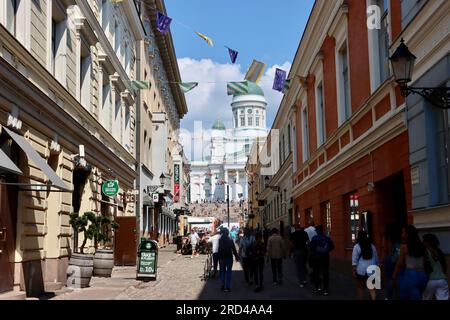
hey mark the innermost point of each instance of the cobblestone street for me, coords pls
(180, 278)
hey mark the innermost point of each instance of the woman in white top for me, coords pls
(364, 255)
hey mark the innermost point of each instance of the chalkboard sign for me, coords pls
(148, 259)
(147, 262)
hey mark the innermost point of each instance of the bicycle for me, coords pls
(207, 268)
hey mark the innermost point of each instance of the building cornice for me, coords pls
(375, 137)
(53, 119)
(167, 52)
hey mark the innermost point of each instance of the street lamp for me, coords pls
(162, 179)
(402, 61)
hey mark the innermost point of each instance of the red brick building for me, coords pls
(351, 166)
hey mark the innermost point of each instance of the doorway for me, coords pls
(8, 217)
(80, 176)
(125, 238)
(392, 200)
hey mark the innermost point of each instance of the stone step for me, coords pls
(13, 295)
(53, 286)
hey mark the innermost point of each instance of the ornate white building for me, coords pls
(229, 149)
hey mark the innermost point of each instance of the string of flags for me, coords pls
(253, 74)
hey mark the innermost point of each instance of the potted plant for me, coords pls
(104, 256)
(81, 265)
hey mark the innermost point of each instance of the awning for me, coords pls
(168, 212)
(7, 165)
(38, 161)
(147, 201)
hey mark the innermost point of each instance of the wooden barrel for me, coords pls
(103, 262)
(79, 272)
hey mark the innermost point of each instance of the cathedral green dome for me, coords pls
(218, 125)
(253, 88)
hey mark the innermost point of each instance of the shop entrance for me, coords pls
(392, 200)
(125, 238)
(80, 176)
(8, 217)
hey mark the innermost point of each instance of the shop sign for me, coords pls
(176, 173)
(110, 188)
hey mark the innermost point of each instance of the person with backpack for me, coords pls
(245, 252)
(321, 246)
(437, 286)
(258, 261)
(413, 281)
(364, 255)
(275, 251)
(226, 251)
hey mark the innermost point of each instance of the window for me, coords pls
(305, 135)
(105, 116)
(236, 123)
(126, 136)
(117, 40)
(57, 43)
(289, 138)
(283, 148)
(325, 209)
(320, 111)
(344, 85)
(242, 121)
(17, 15)
(127, 60)
(309, 215)
(105, 14)
(257, 121)
(383, 41)
(351, 202)
(250, 120)
(280, 156)
(85, 75)
(117, 117)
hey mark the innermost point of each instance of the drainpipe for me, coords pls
(138, 146)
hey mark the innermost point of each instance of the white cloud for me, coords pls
(209, 101)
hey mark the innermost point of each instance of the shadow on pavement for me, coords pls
(341, 287)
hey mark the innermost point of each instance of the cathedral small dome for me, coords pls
(218, 125)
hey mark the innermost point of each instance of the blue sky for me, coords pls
(265, 30)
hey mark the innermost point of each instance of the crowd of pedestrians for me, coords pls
(413, 268)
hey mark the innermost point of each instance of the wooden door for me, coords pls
(125, 247)
(8, 205)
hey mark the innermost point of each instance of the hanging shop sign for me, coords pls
(110, 188)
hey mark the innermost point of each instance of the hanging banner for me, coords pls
(162, 22)
(280, 80)
(255, 71)
(176, 182)
(207, 39)
(188, 86)
(234, 88)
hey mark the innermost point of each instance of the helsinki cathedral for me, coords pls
(224, 164)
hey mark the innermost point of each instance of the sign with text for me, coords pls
(176, 182)
(110, 188)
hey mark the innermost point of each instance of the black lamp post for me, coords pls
(402, 61)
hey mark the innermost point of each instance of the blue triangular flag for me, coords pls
(233, 54)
